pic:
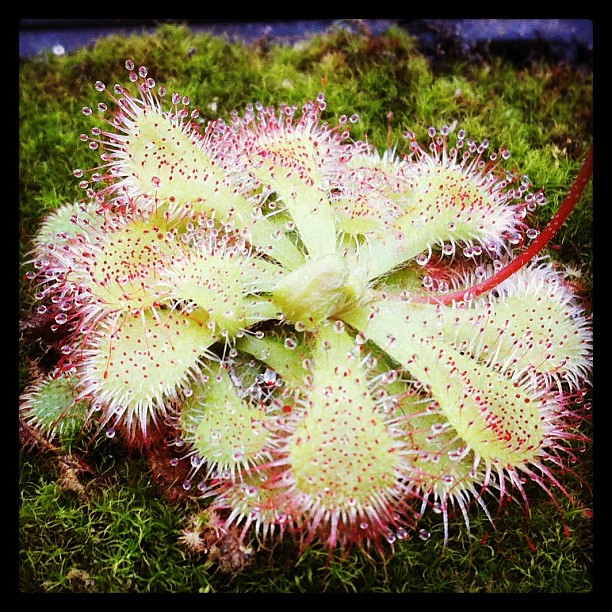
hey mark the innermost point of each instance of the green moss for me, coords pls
(125, 538)
(121, 539)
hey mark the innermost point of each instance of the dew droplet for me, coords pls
(110, 433)
(514, 237)
(402, 533)
(290, 343)
(269, 377)
(480, 272)
(360, 339)
(455, 454)
(238, 455)
(424, 534)
(339, 326)
(307, 365)
(390, 377)
(61, 318)
(422, 259)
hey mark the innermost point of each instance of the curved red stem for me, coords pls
(530, 252)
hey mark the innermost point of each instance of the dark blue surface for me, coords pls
(568, 37)
(43, 35)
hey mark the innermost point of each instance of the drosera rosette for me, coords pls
(406, 345)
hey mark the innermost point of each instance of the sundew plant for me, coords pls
(334, 340)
